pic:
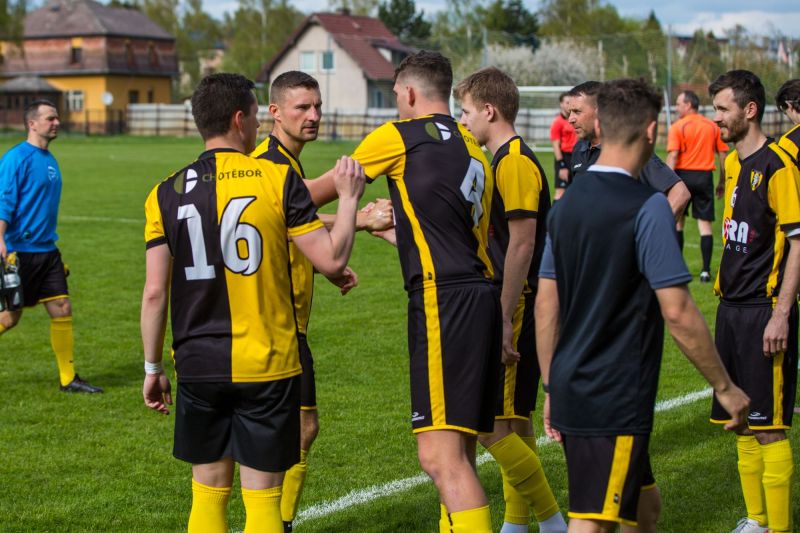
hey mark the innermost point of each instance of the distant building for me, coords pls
(352, 57)
(100, 59)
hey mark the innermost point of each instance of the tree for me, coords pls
(355, 7)
(162, 12)
(199, 35)
(509, 22)
(402, 19)
(12, 21)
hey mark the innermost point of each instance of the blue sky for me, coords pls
(764, 17)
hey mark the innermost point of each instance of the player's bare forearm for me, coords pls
(3, 248)
(155, 302)
(546, 317)
(557, 153)
(776, 333)
(322, 189)
(672, 159)
(678, 197)
(519, 254)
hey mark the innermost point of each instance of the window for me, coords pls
(308, 61)
(377, 98)
(151, 97)
(327, 60)
(74, 100)
(76, 55)
(129, 57)
(133, 97)
(152, 54)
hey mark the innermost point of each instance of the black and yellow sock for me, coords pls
(293, 483)
(263, 510)
(778, 471)
(522, 468)
(209, 509)
(3, 329)
(751, 470)
(477, 520)
(62, 343)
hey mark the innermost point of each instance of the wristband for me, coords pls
(545, 388)
(153, 368)
(561, 164)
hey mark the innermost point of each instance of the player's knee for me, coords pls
(9, 320)
(60, 307)
(768, 437)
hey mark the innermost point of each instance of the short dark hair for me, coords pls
(291, 80)
(789, 93)
(563, 95)
(32, 109)
(217, 98)
(692, 98)
(432, 70)
(746, 88)
(625, 107)
(491, 85)
(589, 89)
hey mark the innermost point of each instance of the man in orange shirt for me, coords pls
(692, 144)
(563, 137)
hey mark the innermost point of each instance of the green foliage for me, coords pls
(200, 34)
(510, 22)
(402, 19)
(12, 18)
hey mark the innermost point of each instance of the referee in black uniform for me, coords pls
(600, 363)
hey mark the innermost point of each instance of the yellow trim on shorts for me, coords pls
(430, 300)
(602, 517)
(777, 388)
(751, 426)
(304, 408)
(51, 298)
(623, 446)
(460, 429)
(512, 417)
(651, 486)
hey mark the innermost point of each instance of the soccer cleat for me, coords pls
(287, 527)
(747, 525)
(705, 277)
(78, 385)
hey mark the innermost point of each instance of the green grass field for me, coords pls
(103, 463)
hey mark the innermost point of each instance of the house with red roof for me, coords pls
(352, 57)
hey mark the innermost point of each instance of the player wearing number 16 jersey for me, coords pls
(216, 235)
(441, 189)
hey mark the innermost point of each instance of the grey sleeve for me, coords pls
(658, 175)
(547, 268)
(657, 250)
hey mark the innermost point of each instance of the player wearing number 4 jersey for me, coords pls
(216, 236)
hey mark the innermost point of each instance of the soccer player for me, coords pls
(692, 143)
(757, 284)
(563, 137)
(216, 236)
(295, 104)
(582, 115)
(489, 105)
(30, 192)
(600, 361)
(788, 100)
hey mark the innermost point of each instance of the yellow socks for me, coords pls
(444, 519)
(523, 470)
(3, 329)
(209, 509)
(263, 509)
(778, 470)
(472, 521)
(751, 469)
(61, 341)
(293, 483)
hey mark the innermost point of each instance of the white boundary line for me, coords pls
(366, 495)
(79, 218)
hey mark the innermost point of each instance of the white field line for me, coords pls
(79, 218)
(366, 495)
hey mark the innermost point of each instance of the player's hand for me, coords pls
(346, 281)
(349, 178)
(157, 392)
(388, 235)
(776, 335)
(3, 248)
(563, 174)
(720, 190)
(737, 404)
(376, 216)
(549, 430)
(510, 355)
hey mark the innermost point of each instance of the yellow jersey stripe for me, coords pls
(305, 228)
(620, 464)
(777, 388)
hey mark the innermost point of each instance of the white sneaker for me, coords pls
(747, 525)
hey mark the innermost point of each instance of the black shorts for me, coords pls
(43, 277)
(770, 382)
(256, 424)
(454, 343)
(701, 185)
(606, 476)
(519, 383)
(308, 387)
(561, 184)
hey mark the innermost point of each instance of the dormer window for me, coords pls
(76, 51)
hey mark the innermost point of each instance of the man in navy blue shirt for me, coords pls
(30, 191)
(611, 270)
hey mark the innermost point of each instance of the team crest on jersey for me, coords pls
(438, 131)
(185, 183)
(755, 179)
(51, 173)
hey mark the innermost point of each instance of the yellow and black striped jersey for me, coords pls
(271, 149)
(791, 142)
(762, 206)
(225, 218)
(441, 189)
(522, 192)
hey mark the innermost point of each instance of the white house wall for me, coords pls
(345, 88)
